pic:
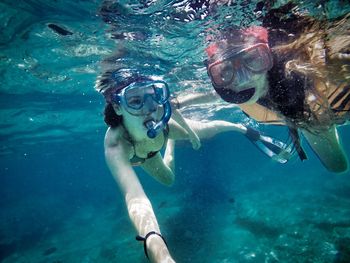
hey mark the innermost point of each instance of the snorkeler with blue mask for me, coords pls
(145, 99)
(142, 124)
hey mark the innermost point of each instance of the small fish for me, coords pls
(59, 30)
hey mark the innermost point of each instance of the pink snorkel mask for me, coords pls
(234, 58)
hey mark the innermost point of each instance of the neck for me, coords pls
(136, 130)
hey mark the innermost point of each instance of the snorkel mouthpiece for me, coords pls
(154, 128)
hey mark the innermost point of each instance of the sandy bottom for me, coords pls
(270, 224)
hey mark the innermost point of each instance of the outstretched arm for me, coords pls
(272, 147)
(169, 155)
(195, 98)
(187, 100)
(138, 205)
(192, 136)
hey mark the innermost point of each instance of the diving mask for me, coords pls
(235, 66)
(143, 98)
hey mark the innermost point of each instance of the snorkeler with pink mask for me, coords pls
(300, 80)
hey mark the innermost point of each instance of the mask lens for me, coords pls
(135, 97)
(222, 73)
(257, 59)
(161, 92)
(144, 97)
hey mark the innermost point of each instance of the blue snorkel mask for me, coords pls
(143, 98)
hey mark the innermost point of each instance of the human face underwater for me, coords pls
(239, 76)
(144, 99)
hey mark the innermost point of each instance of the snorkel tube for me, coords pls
(154, 128)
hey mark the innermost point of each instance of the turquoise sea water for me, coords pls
(230, 203)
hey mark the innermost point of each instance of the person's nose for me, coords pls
(150, 104)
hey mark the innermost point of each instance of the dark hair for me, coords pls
(110, 117)
(114, 80)
(232, 39)
(307, 51)
(111, 82)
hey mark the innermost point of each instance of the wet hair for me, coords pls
(305, 50)
(110, 117)
(109, 83)
(313, 47)
(234, 39)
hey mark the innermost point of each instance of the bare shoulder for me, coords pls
(115, 145)
(176, 132)
(113, 137)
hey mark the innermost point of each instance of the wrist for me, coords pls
(154, 245)
(157, 249)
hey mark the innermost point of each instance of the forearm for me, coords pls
(169, 155)
(209, 129)
(142, 216)
(196, 98)
(139, 207)
(177, 116)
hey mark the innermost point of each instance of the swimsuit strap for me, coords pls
(144, 239)
(296, 141)
(136, 160)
